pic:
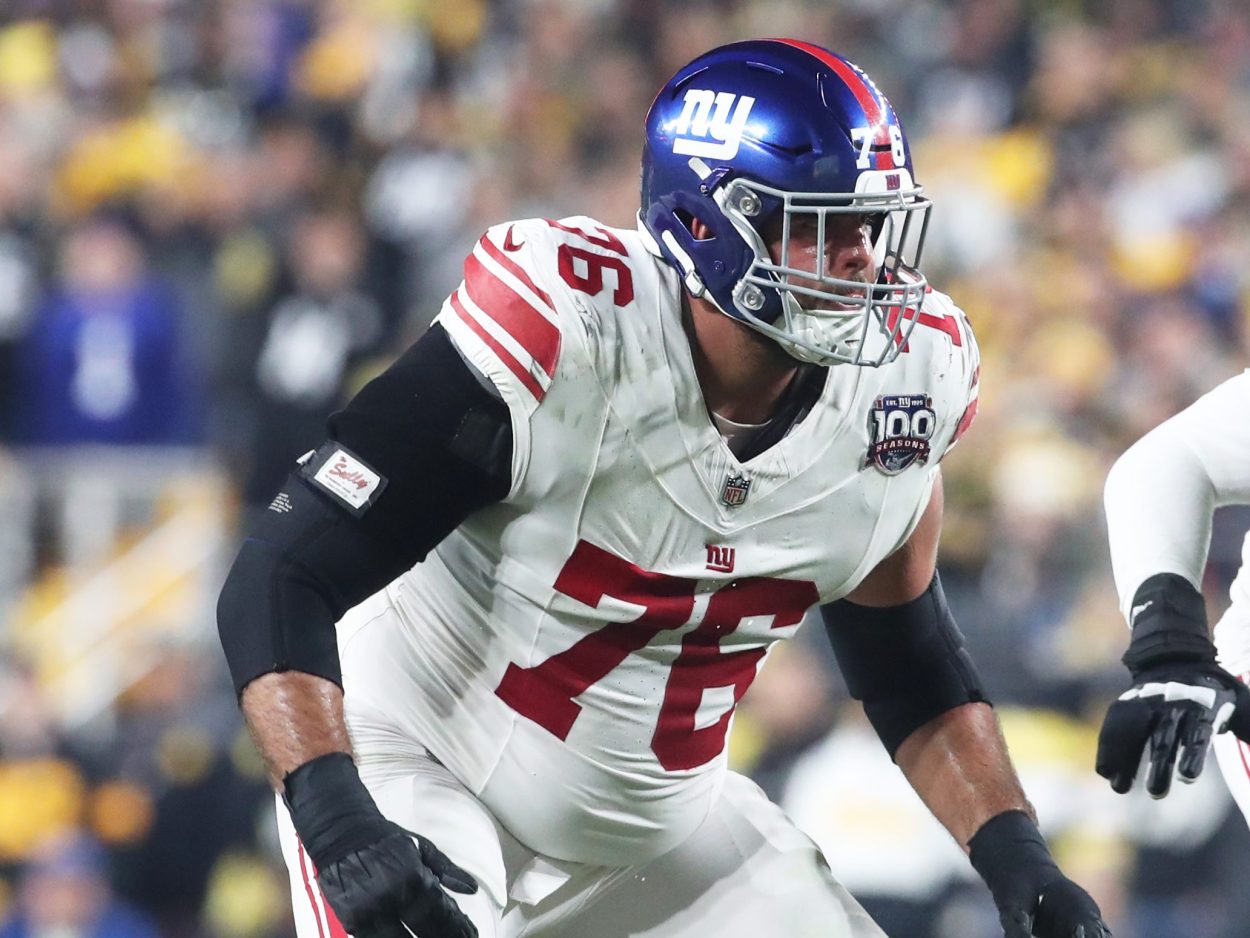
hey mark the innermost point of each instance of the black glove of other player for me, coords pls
(377, 877)
(1180, 697)
(1033, 896)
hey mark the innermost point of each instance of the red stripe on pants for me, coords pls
(331, 920)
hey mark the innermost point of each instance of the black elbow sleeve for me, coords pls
(290, 583)
(907, 663)
(420, 448)
(264, 594)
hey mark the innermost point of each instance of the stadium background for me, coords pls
(219, 218)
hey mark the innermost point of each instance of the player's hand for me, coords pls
(1034, 898)
(381, 880)
(1180, 696)
(1171, 712)
(395, 882)
(1063, 910)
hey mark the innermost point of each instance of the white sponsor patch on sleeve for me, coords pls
(347, 477)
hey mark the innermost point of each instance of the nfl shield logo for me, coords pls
(899, 428)
(736, 489)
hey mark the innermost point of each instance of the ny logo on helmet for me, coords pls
(711, 124)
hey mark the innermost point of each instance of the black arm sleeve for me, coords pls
(440, 444)
(907, 663)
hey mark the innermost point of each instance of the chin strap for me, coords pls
(685, 263)
(693, 282)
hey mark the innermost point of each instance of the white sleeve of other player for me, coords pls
(1160, 494)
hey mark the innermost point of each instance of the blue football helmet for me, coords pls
(757, 137)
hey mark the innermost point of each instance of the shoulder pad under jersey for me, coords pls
(533, 291)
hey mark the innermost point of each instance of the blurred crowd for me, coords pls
(218, 218)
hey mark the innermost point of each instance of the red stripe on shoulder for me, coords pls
(513, 267)
(533, 331)
(502, 353)
(944, 323)
(970, 414)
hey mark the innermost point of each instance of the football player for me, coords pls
(560, 534)
(1187, 690)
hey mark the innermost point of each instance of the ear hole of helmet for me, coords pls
(688, 221)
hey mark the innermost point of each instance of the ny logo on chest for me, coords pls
(720, 559)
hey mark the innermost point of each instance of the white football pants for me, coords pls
(746, 872)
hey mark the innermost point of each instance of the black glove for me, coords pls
(1180, 697)
(1033, 896)
(376, 876)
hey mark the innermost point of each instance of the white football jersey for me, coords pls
(575, 652)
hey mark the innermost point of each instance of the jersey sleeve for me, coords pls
(955, 363)
(941, 355)
(958, 363)
(503, 317)
(1160, 494)
(511, 321)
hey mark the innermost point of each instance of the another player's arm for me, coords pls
(1159, 498)
(1161, 492)
(419, 449)
(903, 656)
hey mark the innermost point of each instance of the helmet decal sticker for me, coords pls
(721, 116)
